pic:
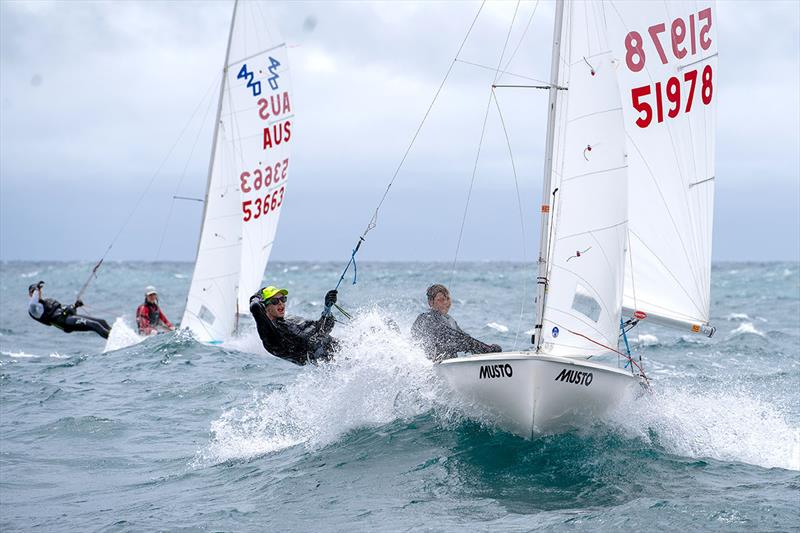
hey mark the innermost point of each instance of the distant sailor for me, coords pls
(294, 339)
(149, 316)
(439, 334)
(51, 313)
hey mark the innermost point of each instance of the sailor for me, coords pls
(294, 339)
(439, 334)
(149, 316)
(51, 313)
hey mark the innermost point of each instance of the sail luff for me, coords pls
(215, 138)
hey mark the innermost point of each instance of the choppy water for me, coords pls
(171, 434)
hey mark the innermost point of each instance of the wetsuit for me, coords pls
(51, 313)
(149, 317)
(442, 338)
(294, 339)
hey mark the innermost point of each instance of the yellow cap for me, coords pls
(269, 292)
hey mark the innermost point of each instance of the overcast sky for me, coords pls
(94, 95)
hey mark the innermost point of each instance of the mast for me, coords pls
(216, 134)
(544, 236)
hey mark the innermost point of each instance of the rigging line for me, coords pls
(521, 218)
(505, 44)
(480, 145)
(504, 72)
(469, 193)
(153, 178)
(522, 37)
(185, 168)
(641, 371)
(374, 220)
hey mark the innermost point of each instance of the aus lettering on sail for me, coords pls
(275, 108)
(262, 184)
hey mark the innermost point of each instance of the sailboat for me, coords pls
(625, 218)
(247, 176)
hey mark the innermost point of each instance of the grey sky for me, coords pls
(93, 96)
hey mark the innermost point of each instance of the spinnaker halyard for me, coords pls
(247, 176)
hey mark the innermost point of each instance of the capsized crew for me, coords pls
(294, 339)
(50, 312)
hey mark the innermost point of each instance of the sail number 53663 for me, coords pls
(641, 99)
(259, 207)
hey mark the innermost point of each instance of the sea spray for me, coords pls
(378, 376)
(728, 423)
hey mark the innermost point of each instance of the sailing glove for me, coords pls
(330, 298)
(78, 303)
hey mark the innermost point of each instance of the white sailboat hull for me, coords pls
(528, 394)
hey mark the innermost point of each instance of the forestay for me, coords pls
(247, 176)
(587, 247)
(668, 83)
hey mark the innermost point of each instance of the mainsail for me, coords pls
(668, 82)
(589, 194)
(247, 177)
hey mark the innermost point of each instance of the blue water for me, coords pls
(170, 434)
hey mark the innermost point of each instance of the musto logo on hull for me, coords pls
(496, 371)
(573, 376)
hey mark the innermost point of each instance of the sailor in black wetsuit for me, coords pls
(294, 339)
(439, 334)
(51, 313)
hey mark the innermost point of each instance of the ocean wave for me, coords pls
(29, 274)
(737, 316)
(727, 425)
(646, 340)
(498, 327)
(377, 377)
(122, 335)
(20, 355)
(747, 328)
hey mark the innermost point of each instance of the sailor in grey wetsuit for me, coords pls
(439, 334)
(50, 312)
(294, 339)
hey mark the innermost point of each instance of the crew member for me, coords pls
(439, 334)
(51, 313)
(294, 339)
(149, 315)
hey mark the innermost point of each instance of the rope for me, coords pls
(521, 217)
(373, 221)
(480, 145)
(629, 358)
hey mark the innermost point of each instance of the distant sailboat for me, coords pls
(247, 176)
(626, 214)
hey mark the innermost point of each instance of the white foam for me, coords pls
(377, 377)
(737, 316)
(498, 327)
(746, 328)
(121, 336)
(180, 276)
(20, 355)
(29, 274)
(646, 340)
(723, 425)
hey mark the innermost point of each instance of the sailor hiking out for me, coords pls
(439, 334)
(294, 339)
(50, 312)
